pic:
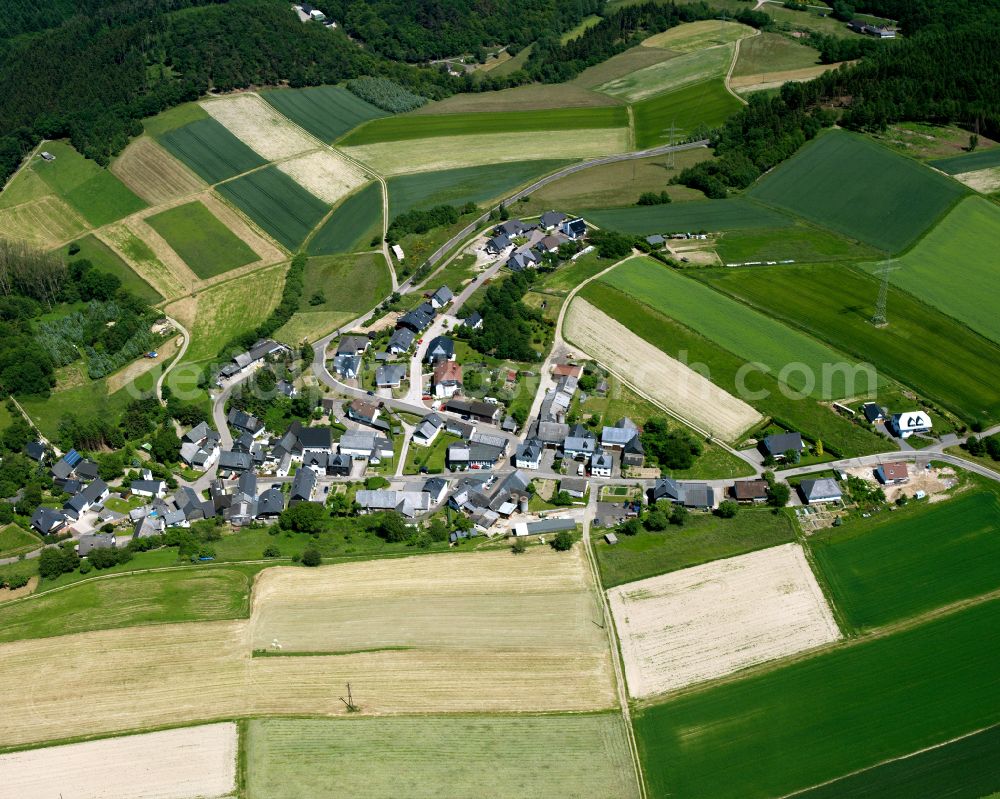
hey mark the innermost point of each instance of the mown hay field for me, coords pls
(705, 33)
(259, 126)
(407, 128)
(152, 173)
(920, 347)
(619, 66)
(854, 186)
(711, 215)
(801, 243)
(353, 224)
(531, 97)
(798, 725)
(211, 151)
(503, 757)
(696, 67)
(772, 52)
(452, 152)
(703, 538)
(184, 763)
(775, 80)
(475, 184)
(708, 621)
(206, 245)
(962, 246)
(126, 601)
(325, 174)
(916, 560)
(707, 104)
(667, 381)
(46, 222)
(95, 193)
(327, 112)
(277, 204)
(744, 331)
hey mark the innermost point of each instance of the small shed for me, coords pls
(611, 538)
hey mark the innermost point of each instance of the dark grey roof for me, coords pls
(780, 443)
(46, 519)
(303, 485)
(151, 486)
(61, 469)
(550, 218)
(666, 488)
(440, 347)
(473, 319)
(247, 483)
(235, 461)
(316, 438)
(822, 488)
(499, 243)
(351, 345)
(95, 541)
(87, 470)
(271, 502)
(443, 295)
(390, 374)
(35, 450)
(417, 319)
(242, 420)
(401, 339)
(699, 495)
(196, 433)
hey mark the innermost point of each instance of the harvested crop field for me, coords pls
(668, 382)
(154, 174)
(684, 70)
(169, 278)
(46, 222)
(774, 80)
(530, 97)
(210, 150)
(711, 620)
(502, 757)
(451, 152)
(184, 763)
(691, 36)
(325, 174)
(259, 126)
(327, 112)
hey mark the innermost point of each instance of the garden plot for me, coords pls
(667, 381)
(186, 763)
(325, 174)
(259, 126)
(154, 174)
(709, 621)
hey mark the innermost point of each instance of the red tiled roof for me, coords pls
(448, 370)
(566, 370)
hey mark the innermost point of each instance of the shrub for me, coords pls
(519, 547)
(727, 509)
(311, 557)
(16, 581)
(272, 552)
(563, 541)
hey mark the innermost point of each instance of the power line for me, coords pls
(881, 319)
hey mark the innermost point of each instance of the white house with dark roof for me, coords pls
(427, 430)
(442, 297)
(911, 423)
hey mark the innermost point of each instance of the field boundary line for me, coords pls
(732, 67)
(23, 165)
(176, 360)
(887, 761)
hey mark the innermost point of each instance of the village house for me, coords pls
(497, 244)
(400, 341)
(363, 412)
(474, 409)
(303, 485)
(353, 345)
(48, 521)
(579, 443)
(148, 488)
(779, 445)
(427, 430)
(446, 380)
(904, 425)
(576, 487)
(473, 321)
(390, 375)
(271, 503)
(892, 473)
(873, 412)
(551, 219)
(442, 297)
(346, 367)
(406, 503)
(440, 348)
(818, 491)
(436, 488)
(602, 464)
(529, 454)
(753, 491)
(88, 543)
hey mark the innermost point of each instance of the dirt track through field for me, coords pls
(185, 763)
(709, 621)
(667, 381)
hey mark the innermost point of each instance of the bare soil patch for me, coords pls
(139, 367)
(982, 180)
(325, 174)
(259, 126)
(154, 174)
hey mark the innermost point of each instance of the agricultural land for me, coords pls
(327, 112)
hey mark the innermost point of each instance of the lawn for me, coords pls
(703, 538)
(279, 205)
(349, 285)
(352, 225)
(503, 757)
(211, 151)
(455, 274)
(968, 768)
(835, 303)
(46, 412)
(802, 243)
(854, 186)
(327, 112)
(696, 67)
(151, 598)
(431, 458)
(706, 104)
(709, 215)
(404, 128)
(772, 52)
(917, 559)
(970, 162)
(93, 191)
(747, 333)
(475, 184)
(820, 718)
(103, 258)
(202, 241)
(838, 434)
(963, 246)
(14, 541)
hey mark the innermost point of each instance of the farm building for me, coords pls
(818, 491)
(892, 473)
(574, 486)
(542, 527)
(480, 411)
(398, 252)
(690, 495)
(907, 424)
(567, 370)
(407, 503)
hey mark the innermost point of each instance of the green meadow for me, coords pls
(327, 112)
(211, 151)
(688, 217)
(696, 67)
(104, 258)
(707, 103)
(802, 243)
(970, 162)
(202, 241)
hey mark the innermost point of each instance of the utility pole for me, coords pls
(881, 319)
(351, 707)
(670, 132)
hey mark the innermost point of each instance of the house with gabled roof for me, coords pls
(390, 375)
(427, 430)
(303, 485)
(362, 411)
(551, 219)
(777, 445)
(498, 244)
(48, 521)
(271, 503)
(815, 492)
(400, 341)
(353, 345)
(442, 297)
(346, 366)
(529, 454)
(447, 379)
(473, 321)
(573, 229)
(440, 348)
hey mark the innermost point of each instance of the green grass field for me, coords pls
(211, 151)
(815, 420)
(97, 194)
(772, 52)
(914, 560)
(501, 757)
(970, 162)
(279, 205)
(587, 22)
(710, 215)
(856, 187)
(349, 284)
(173, 118)
(745, 332)
(696, 67)
(707, 104)
(818, 719)
(968, 768)
(702, 539)
(404, 128)
(690, 36)
(24, 187)
(475, 184)
(201, 240)
(14, 541)
(835, 303)
(327, 112)
(801, 243)
(352, 225)
(963, 246)
(103, 258)
(529, 97)
(150, 598)
(620, 66)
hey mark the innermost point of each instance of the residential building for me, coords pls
(892, 473)
(418, 320)
(580, 443)
(873, 412)
(92, 496)
(303, 485)
(88, 543)
(390, 375)
(406, 503)
(480, 411)
(234, 462)
(440, 349)
(573, 229)
(666, 489)
(512, 227)
(353, 345)
(362, 411)
(245, 422)
(35, 450)
(346, 366)
(446, 380)
(576, 487)
(699, 495)
(442, 297)
(316, 439)
(551, 219)
(427, 430)
(436, 488)
(529, 454)
(749, 491)
(361, 444)
(903, 425)
(48, 521)
(778, 445)
(148, 488)
(400, 341)
(818, 491)
(498, 244)
(271, 503)
(601, 464)
(474, 320)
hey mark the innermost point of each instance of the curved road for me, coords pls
(177, 358)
